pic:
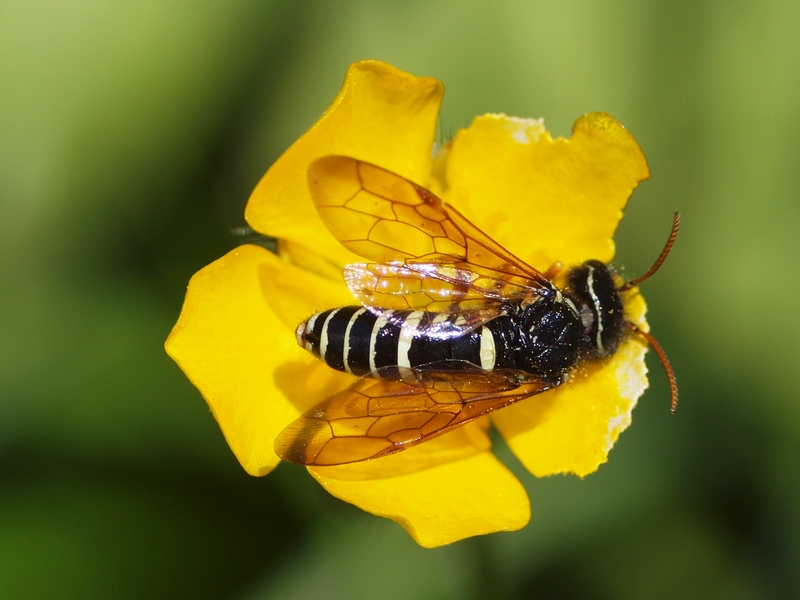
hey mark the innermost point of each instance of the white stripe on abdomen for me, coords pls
(407, 331)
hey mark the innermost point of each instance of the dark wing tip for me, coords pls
(292, 443)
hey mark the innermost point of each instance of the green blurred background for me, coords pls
(130, 137)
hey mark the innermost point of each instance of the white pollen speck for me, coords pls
(523, 131)
(632, 383)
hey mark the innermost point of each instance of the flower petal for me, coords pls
(381, 115)
(235, 341)
(444, 490)
(545, 199)
(571, 429)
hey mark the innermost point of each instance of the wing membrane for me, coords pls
(385, 218)
(434, 287)
(378, 417)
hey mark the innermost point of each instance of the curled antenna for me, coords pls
(676, 223)
(662, 356)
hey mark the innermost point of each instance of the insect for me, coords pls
(451, 325)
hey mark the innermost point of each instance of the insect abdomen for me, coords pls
(356, 341)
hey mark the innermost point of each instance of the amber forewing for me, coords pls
(428, 255)
(378, 417)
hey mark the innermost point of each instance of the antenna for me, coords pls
(676, 223)
(662, 356)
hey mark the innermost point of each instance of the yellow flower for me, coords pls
(544, 199)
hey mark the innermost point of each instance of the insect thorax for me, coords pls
(593, 291)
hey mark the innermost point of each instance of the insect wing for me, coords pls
(434, 287)
(385, 218)
(378, 417)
